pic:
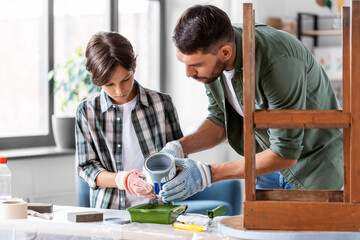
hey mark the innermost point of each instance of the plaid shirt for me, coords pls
(99, 137)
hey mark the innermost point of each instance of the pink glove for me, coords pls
(133, 183)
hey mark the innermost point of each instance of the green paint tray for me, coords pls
(154, 213)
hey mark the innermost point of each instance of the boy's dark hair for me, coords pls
(202, 28)
(105, 52)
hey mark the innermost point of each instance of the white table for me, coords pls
(61, 228)
(233, 226)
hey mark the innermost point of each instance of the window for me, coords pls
(139, 21)
(74, 23)
(24, 98)
(32, 29)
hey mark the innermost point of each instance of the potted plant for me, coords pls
(72, 85)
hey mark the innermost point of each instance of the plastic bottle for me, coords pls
(5, 180)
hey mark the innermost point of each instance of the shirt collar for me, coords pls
(238, 28)
(142, 97)
(238, 43)
(106, 103)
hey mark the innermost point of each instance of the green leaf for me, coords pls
(72, 78)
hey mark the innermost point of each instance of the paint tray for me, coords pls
(154, 213)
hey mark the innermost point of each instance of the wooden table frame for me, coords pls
(315, 210)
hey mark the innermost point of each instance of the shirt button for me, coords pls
(119, 145)
(118, 119)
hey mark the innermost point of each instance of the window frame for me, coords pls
(39, 140)
(7, 143)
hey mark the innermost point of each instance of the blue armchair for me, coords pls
(83, 193)
(227, 193)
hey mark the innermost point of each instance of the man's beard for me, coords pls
(218, 69)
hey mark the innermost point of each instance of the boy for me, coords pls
(119, 127)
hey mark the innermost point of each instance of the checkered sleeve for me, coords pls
(173, 130)
(88, 164)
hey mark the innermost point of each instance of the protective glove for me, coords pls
(174, 148)
(194, 177)
(133, 183)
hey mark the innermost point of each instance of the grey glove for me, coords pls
(174, 148)
(194, 177)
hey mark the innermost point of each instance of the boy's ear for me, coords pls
(134, 65)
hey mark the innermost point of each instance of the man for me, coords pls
(287, 77)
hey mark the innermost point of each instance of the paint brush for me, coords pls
(189, 227)
(40, 215)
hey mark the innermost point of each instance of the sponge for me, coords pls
(193, 218)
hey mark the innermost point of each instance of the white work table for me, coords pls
(61, 228)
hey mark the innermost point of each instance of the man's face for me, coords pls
(203, 68)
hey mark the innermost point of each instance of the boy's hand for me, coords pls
(133, 183)
(174, 148)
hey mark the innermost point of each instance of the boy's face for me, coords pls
(120, 86)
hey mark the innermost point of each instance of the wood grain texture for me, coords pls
(249, 100)
(314, 216)
(235, 222)
(346, 97)
(355, 103)
(301, 119)
(299, 195)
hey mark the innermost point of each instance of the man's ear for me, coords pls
(225, 52)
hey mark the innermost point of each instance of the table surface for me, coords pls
(61, 228)
(233, 226)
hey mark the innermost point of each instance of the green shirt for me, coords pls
(287, 77)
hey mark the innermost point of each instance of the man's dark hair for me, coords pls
(202, 28)
(105, 52)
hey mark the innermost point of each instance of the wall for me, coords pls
(278, 8)
(188, 95)
(44, 179)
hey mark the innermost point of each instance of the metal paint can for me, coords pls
(159, 168)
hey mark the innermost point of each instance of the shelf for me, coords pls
(321, 32)
(315, 31)
(335, 78)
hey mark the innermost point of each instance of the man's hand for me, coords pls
(133, 183)
(194, 177)
(174, 148)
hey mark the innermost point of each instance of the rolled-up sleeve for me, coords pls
(285, 88)
(88, 164)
